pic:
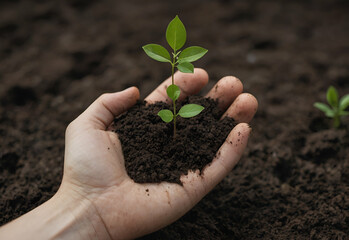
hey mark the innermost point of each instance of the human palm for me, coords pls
(94, 163)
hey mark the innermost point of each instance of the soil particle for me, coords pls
(151, 153)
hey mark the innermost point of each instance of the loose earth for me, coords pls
(153, 155)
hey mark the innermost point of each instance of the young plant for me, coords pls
(337, 107)
(182, 60)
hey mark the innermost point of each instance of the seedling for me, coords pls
(182, 60)
(337, 107)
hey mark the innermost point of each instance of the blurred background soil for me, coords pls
(56, 57)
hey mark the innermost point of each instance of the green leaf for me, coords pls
(325, 108)
(344, 102)
(166, 115)
(173, 92)
(157, 52)
(344, 113)
(330, 114)
(190, 110)
(192, 54)
(185, 67)
(332, 97)
(176, 34)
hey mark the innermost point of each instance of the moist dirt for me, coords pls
(153, 155)
(292, 182)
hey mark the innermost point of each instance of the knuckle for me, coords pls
(103, 97)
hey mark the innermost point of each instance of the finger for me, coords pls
(243, 108)
(102, 112)
(189, 83)
(173, 201)
(225, 91)
(229, 154)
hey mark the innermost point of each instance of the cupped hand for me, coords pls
(94, 163)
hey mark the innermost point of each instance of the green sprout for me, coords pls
(176, 36)
(337, 107)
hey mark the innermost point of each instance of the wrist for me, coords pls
(75, 216)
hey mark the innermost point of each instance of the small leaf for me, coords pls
(166, 115)
(157, 52)
(344, 102)
(185, 67)
(173, 92)
(190, 110)
(344, 113)
(332, 97)
(323, 107)
(176, 34)
(192, 54)
(330, 114)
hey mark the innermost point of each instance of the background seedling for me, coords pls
(336, 108)
(182, 60)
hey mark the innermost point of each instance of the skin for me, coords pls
(97, 199)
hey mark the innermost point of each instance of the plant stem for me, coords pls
(174, 102)
(336, 121)
(174, 120)
(172, 73)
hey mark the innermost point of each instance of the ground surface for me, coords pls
(56, 57)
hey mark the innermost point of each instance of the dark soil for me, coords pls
(56, 57)
(151, 153)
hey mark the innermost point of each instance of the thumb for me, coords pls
(101, 113)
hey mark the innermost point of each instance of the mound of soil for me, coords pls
(56, 57)
(151, 153)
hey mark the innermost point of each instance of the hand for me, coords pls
(95, 177)
(94, 163)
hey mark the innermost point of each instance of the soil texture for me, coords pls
(151, 153)
(56, 57)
